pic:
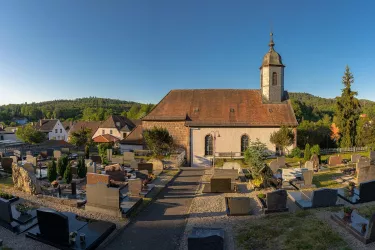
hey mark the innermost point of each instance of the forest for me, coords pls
(89, 109)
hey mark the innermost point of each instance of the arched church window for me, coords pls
(274, 79)
(244, 143)
(208, 145)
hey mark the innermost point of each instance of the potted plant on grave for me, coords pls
(348, 212)
(23, 208)
(351, 186)
(54, 184)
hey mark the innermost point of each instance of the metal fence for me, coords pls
(326, 151)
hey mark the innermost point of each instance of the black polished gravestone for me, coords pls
(54, 229)
(206, 239)
(363, 194)
(324, 197)
(145, 166)
(13, 220)
(274, 202)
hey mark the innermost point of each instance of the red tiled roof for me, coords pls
(135, 137)
(105, 138)
(222, 107)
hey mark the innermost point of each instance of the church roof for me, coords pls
(222, 107)
(272, 57)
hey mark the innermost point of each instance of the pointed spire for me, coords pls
(271, 44)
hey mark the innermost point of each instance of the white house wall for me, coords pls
(229, 141)
(58, 132)
(115, 132)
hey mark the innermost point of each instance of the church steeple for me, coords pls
(272, 75)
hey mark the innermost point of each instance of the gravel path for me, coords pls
(160, 226)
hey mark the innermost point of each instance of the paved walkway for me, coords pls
(160, 225)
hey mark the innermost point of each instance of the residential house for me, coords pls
(53, 129)
(8, 134)
(117, 126)
(78, 125)
(134, 141)
(222, 122)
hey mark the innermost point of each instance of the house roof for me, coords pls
(67, 125)
(136, 122)
(92, 125)
(105, 138)
(135, 137)
(121, 123)
(46, 125)
(222, 107)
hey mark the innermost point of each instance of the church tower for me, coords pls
(272, 76)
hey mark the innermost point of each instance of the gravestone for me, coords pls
(135, 186)
(14, 158)
(365, 171)
(355, 158)
(366, 191)
(274, 166)
(54, 226)
(17, 153)
(57, 154)
(6, 164)
(335, 160)
(145, 166)
(324, 197)
(65, 150)
(43, 154)
(33, 160)
(115, 172)
(238, 205)
(91, 168)
(128, 156)
(103, 199)
(157, 164)
(49, 152)
(309, 165)
(281, 161)
(276, 200)
(133, 164)
(73, 187)
(25, 181)
(5, 211)
(308, 177)
(221, 185)
(74, 169)
(97, 159)
(232, 165)
(206, 239)
(315, 160)
(93, 178)
(109, 154)
(372, 155)
(29, 153)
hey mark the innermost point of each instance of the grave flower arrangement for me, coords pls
(6, 196)
(351, 186)
(348, 212)
(54, 184)
(23, 208)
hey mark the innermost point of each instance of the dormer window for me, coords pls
(274, 79)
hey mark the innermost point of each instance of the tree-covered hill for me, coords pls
(90, 108)
(313, 108)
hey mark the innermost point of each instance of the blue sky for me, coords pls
(139, 50)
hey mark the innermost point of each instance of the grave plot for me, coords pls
(313, 199)
(68, 231)
(238, 205)
(17, 215)
(273, 202)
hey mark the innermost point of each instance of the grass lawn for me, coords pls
(366, 211)
(6, 182)
(326, 179)
(301, 230)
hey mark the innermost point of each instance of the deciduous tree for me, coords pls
(282, 138)
(29, 134)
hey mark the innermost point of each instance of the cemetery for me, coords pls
(85, 200)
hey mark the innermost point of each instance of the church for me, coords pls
(220, 123)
